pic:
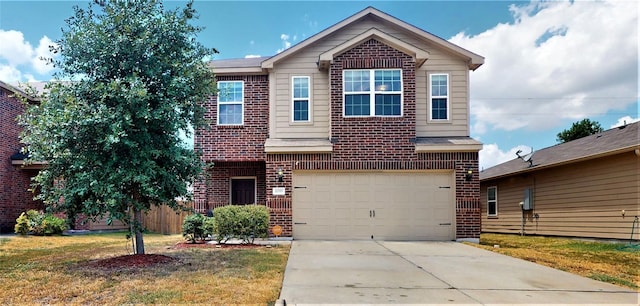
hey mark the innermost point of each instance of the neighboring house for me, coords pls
(358, 132)
(15, 182)
(15, 175)
(587, 187)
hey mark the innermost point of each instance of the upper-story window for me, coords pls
(375, 92)
(230, 103)
(439, 96)
(301, 101)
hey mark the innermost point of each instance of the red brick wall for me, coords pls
(234, 143)
(218, 184)
(373, 138)
(14, 183)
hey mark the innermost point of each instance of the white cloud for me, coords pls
(14, 49)
(624, 121)
(555, 61)
(9, 73)
(42, 52)
(19, 59)
(286, 44)
(252, 56)
(492, 155)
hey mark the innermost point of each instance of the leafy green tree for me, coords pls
(579, 129)
(111, 134)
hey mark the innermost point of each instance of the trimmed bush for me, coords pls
(22, 226)
(39, 223)
(193, 227)
(243, 222)
(209, 226)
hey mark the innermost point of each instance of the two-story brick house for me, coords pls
(359, 132)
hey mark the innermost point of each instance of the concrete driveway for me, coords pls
(375, 272)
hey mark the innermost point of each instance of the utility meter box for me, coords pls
(528, 199)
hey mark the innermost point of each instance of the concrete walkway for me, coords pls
(370, 272)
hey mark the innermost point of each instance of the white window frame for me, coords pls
(241, 103)
(294, 99)
(495, 201)
(432, 97)
(372, 93)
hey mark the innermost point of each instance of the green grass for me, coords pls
(57, 270)
(615, 263)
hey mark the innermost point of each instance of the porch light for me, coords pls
(280, 175)
(469, 175)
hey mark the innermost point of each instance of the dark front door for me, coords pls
(243, 191)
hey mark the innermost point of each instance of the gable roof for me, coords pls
(613, 141)
(474, 60)
(420, 55)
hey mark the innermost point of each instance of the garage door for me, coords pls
(380, 205)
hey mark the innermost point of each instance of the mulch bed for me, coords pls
(130, 261)
(204, 245)
(137, 261)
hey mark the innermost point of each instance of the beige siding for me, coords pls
(584, 200)
(303, 63)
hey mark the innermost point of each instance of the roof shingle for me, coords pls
(611, 141)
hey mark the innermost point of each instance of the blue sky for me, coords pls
(547, 64)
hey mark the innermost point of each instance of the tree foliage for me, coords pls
(138, 78)
(579, 129)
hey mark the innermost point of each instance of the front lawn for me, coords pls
(615, 263)
(63, 270)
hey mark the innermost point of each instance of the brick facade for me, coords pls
(234, 151)
(373, 138)
(15, 197)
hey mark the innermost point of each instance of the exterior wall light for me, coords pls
(280, 175)
(469, 175)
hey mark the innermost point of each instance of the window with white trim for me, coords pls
(376, 92)
(230, 102)
(492, 201)
(301, 103)
(439, 96)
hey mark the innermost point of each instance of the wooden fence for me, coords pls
(164, 220)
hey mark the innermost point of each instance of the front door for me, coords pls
(243, 191)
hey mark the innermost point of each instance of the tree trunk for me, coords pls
(137, 215)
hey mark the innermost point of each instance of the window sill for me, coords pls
(373, 117)
(297, 123)
(230, 126)
(492, 217)
(439, 121)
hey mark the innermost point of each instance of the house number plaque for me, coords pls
(278, 190)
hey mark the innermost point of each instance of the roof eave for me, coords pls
(565, 162)
(239, 71)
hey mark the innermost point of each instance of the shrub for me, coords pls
(52, 225)
(22, 225)
(243, 222)
(39, 223)
(193, 227)
(208, 227)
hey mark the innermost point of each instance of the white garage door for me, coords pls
(373, 205)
